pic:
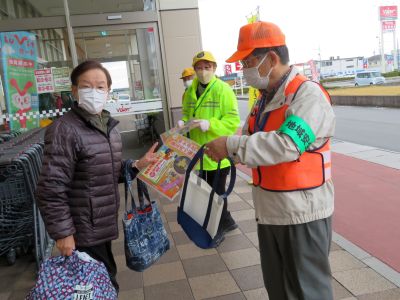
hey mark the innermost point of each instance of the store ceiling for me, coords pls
(79, 7)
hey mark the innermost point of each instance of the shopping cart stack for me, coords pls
(21, 227)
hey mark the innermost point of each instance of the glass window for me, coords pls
(130, 55)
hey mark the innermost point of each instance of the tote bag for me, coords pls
(145, 237)
(200, 207)
(72, 277)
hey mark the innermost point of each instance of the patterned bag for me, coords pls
(145, 236)
(71, 278)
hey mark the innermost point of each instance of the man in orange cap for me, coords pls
(286, 142)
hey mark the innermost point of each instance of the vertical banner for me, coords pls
(19, 55)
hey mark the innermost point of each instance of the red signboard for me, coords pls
(388, 12)
(238, 66)
(228, 70)
(388, 26)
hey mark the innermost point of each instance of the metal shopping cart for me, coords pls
(21, 226)
(145, 128)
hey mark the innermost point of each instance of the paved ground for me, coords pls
(232, 271)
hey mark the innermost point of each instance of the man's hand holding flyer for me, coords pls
(167, 174)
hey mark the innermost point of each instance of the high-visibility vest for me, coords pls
(312, 169)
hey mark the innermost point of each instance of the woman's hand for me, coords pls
(149, 158)
(66, 245)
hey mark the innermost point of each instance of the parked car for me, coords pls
(369, 78)
(123, 98)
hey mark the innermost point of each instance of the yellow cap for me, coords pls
(187, 72)
(203, 55)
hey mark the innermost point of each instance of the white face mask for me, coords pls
(188, 83)
(205, 76)
(92, 100)
(253, 78)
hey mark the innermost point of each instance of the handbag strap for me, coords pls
(211, 198)
(143, 193)
(189, 169)
(127, 184)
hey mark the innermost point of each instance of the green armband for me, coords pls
(299, 131)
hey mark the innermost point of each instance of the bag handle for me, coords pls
(143, 193)
(128, 183)
(189, 169)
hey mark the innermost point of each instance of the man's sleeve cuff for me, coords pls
(233, 147)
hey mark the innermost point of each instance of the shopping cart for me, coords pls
(21, 226)
(145, 128)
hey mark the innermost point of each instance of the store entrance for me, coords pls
(131, 54)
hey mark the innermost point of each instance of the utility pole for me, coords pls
(383, 63)
(395, 57)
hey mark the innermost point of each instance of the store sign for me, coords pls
(388, 12)
(52, 80)
(227, 70)
(61, 79)
(18, 51)
(134, 107)
(238, 66)
(44, 81)
(388, 26)
(365, 63)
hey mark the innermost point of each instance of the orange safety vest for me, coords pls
(309, 171)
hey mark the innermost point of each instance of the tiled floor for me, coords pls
(231, 271)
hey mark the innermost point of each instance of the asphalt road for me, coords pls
(371, 126)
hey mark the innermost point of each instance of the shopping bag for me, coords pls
(200, 207)
(145, 237)
(71, 278)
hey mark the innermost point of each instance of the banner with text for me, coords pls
(18, 50)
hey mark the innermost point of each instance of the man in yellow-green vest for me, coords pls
(212, 104)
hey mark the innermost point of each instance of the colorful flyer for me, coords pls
(167, 174)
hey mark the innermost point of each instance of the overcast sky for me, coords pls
(344, 28)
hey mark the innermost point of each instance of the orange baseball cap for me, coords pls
(257, 35)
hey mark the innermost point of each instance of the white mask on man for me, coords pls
(253, 78)
(92, 100)
(188, 83)
(205, 76)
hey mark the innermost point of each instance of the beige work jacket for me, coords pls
(271, 148)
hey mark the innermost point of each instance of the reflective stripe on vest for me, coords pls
(309, 171)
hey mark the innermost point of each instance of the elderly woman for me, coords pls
(77, 191)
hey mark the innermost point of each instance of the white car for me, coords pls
(369, 78)
(123, 98)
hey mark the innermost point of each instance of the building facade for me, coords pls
(144, 43)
